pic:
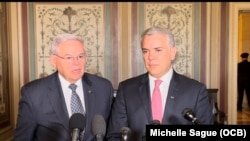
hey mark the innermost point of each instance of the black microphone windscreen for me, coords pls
(126, 130)
(125, 134)
(98, 125)
(188, 114)
(155, 122)
(78, 121)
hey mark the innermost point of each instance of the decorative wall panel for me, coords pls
(85, 20)
(4, 71)
(100, 23)
(178, 17)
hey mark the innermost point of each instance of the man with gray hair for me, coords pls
(48, 103)
(160, 95)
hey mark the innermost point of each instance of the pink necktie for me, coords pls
(156, 102)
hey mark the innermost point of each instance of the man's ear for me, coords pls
(52, 60)
(173, 51)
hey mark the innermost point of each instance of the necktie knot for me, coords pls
(158, 83)
(73, 87)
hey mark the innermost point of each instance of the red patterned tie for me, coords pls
(157, 102)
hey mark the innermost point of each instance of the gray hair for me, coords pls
(159, 30)
(62, 38)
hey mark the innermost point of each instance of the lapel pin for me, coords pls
(172, 97)
(89, 91)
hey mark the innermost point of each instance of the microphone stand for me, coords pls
(99, 137)
(75, 134)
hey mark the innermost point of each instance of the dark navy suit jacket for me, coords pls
(132, 106)
(43, 114)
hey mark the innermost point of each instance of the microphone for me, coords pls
(153, 122)
(77, 124)
(189, 115)
(98, 127)
(125, 133)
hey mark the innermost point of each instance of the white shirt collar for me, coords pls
(165, 78)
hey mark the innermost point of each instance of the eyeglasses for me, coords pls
(80, 57)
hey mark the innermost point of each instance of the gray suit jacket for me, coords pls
(43, 114)
(132, 106)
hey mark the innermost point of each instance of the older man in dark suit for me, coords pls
(134, 106)
(45, 106)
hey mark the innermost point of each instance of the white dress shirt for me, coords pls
(67, 92)
(163, 87)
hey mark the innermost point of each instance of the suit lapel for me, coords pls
(57, 101)
(172, 94)
(144, 94)
(89, 97)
